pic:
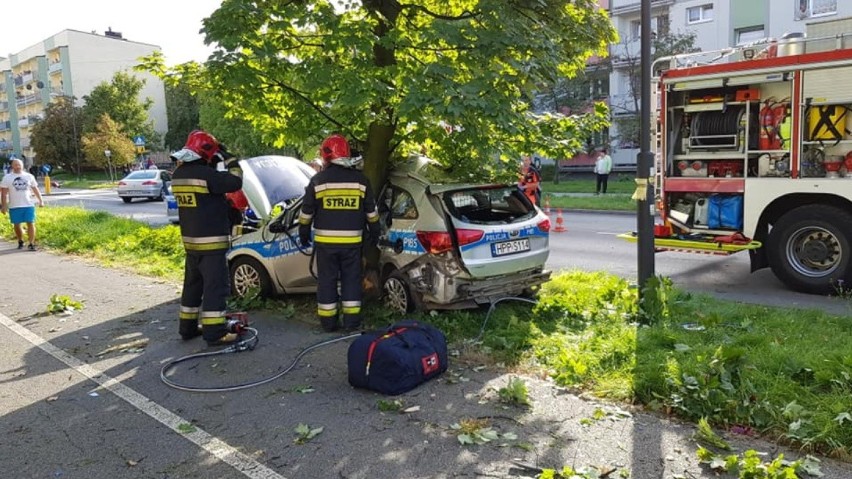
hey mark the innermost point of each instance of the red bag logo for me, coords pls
(430, 363)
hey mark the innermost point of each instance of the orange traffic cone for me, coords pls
(547, 205)
(560, 223)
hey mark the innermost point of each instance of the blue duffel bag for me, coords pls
(397, 359)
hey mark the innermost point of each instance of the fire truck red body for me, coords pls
(754, 152)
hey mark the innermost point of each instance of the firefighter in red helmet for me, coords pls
(339, 203)
(200, 190)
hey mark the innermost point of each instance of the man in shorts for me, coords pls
(16, 196)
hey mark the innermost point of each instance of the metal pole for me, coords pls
(74, 128)
(645, 222)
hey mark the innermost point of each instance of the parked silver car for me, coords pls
(151, 184)
(444, 245)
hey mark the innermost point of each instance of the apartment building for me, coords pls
(68, 64)
(717, 24)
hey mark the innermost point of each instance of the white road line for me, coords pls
(215, 446)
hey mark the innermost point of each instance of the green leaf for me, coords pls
(186, 428)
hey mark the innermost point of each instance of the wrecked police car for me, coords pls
(444, 245)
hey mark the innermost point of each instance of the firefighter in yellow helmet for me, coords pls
(339, 203)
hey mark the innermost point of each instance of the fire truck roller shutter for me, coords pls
(810, 248)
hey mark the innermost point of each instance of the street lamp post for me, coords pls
(108, 154)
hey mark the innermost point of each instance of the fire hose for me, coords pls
(239, 326)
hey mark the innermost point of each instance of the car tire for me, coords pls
(396, 294)
(248, 273)
(162, 195)
(126, 199)
(809, 248)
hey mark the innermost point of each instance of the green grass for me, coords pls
(88, 180)
(784, 373)
(603, 202)
(110, 240)
(622, 184)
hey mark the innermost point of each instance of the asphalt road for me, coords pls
(81, 397)
(142, 209)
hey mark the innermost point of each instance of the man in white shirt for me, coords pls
(603, 166)
(16, 196)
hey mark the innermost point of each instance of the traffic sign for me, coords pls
(139, 140)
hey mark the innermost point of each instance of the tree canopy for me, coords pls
(57, 137)
(451, 77)
(119, 99)
(108, 135)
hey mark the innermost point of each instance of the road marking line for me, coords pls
(215, 446)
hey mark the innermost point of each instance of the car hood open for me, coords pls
(270, 180)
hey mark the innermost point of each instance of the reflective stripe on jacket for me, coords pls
(199, 190)
(338, 202)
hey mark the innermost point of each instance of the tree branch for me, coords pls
(466, 15)
(302, 96)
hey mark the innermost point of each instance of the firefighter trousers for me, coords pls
(206, 287)
(335, 263)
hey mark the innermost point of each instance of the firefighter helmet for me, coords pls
(334, 147)
(202, 144)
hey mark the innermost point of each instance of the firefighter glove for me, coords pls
(305, 235)
(375, 232)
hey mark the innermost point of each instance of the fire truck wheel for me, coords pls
(809, 248)
(248, 275)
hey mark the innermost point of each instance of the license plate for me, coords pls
(510, 247)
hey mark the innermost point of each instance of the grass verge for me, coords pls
(783, 373)
(602, 203)
(110, 240)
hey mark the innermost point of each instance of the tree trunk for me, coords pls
(376, 162)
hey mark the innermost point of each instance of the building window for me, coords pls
(704, 13)
(814, 8)
(749, 35)
(659, 25)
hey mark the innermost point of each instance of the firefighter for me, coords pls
(338, 201)
(199, 189)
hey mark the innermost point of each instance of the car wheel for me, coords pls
(248, 274)
(126, 199)
(396, 294)
(809, 248)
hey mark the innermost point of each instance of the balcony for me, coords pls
(5, 125)
(24, 123)
(622, 105)
(622, 7)
(26, 99)
(25, 142)
(27, 77)
(4, 106)
(55, 67)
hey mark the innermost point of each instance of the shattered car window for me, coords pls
(403, 206)
(489, 206)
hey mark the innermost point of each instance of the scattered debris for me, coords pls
(135, 346)
(305, 433)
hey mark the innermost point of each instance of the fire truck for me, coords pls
(754, 153)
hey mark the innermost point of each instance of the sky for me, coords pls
(172, 25)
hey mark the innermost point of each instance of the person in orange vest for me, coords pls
(530, 181)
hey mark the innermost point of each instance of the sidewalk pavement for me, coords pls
(81, 396)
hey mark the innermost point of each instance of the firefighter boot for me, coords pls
(329, 323)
